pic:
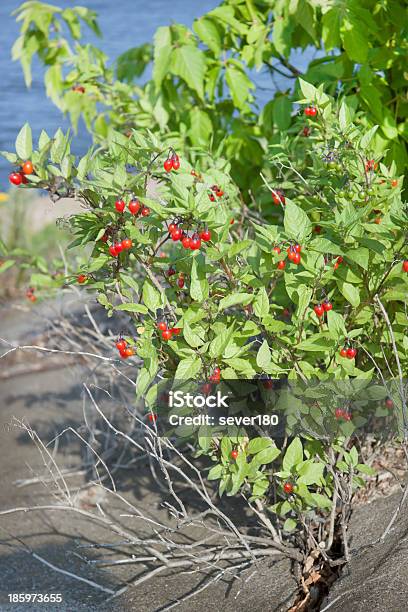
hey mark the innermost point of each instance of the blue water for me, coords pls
(124, 24)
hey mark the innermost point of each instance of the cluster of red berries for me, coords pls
(338, 261)
(293, 252)
(320, 309)
(82, 278)
(16, 178)
(405, 265)
(189, 242)
(341, 413)
(217, 191)
(215, 376)
(30, 294)
(167, 333)
(118, 247)
(134, 207)
(172, 162)
(125, 351)
(278, 197)
(310, 111)
(371, 165)
(349, 352)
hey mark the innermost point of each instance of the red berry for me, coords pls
(278, 197)
(172, 227)
(317, 229)
(118, 247)
(81, 278)
(276, 249)
(177, 234)
(205, 235)
(405, 265)
(180, 282)
(281, 265)
(327, 306)
(28, 167)
(343, 352)
(217, 372)
(306, 131)
(171, 272)
(175, 162)
(145, 211)
(127, 243)
(120, 206)
(297, 248)
(212, 197)
(319, 310)
(206, 388)
(168, 165)
(296, 259)
(267, 384)
(162, 326)
(310, 111)
(176, 331)
(339, 413)
(234, 454)
(291, 253)
(371, 165)
(389, 403)
(104, 238)
(186, 242)
(195, 242)
(15, 178)
(123, 354)
(219, 193)
(167, 334)
(121, 344)
(152, 417)
(351, 353)
(134, 206)
(129, 352)
(113, 251)
(394, 183)
(288, 487)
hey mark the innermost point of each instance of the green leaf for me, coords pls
(200, 127)
(131, 307)
(234, 299)
(289, 524)
(24, 143)
(216, 472)
(264, 357)
(308, 90)
(293, 455)
(199, 285)
(208, 32)
(311, 473)
(239, 85)
(296, 222)
(350, 292)
(189, 64)
(267, 455)
(336, 325)
(258, 444)
(190, 337)
(282, 109)
(188, 368)
(151, 296)
(354, 40)
(162, 54)
(261, 304)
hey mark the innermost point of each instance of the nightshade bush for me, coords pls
(301, 278)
